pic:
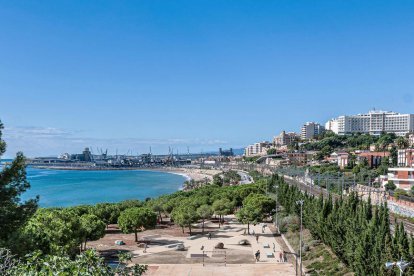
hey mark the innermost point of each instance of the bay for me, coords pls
(62, 188)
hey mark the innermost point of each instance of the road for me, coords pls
(245, 178)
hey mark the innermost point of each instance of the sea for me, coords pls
(63, 188)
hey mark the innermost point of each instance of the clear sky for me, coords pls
(204, 74)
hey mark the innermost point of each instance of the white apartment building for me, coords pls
(310, 130)
(374, 122)
(332, 125)
(257, 149)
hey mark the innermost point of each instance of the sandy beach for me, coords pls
(195, 174)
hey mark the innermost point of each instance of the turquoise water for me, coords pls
(58, 188)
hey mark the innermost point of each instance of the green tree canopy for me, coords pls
(261, 202)
(222, 207)
(53, 231)
(131, 220)
(87, 264)
(13, 212)
(184, 215)
(92, 228)
(249, 214)
(204, 212)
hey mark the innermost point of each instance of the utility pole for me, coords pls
(300, 202)
(311, 182)
(276, 221)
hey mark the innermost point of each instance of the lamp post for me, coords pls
(300, 202)
(276, 221)
(402, 265)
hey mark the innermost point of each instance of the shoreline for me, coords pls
(188, 173)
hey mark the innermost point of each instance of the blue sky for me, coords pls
(204, 74)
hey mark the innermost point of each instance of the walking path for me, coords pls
(233, 269)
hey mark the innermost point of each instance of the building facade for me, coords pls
(297, 158)
(257, 149)
(341, 158)
(405, 158)
(285, 139)
(403, 178)
(374, 123)
(374, 158)
(332, 125)
(310, 130)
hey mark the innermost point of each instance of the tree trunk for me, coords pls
(159, 212)
(248, 228)
(136, 235)
(84, 247)
(189, 227)
(203, 226)
(219, 220)
(182, 227)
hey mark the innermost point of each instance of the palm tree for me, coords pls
(402, 143)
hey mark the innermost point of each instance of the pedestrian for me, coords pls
(274, 247)
(209, 235)
(254, 232)
(257, 255)
(257, 238)
(281, 256)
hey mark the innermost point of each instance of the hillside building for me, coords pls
(374, 123)
(310, 130)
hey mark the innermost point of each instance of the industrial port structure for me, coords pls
(89, 160)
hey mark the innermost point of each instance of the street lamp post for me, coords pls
(276, 221)
(300, 202)
(402, 265)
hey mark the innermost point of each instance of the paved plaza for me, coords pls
(170, 252)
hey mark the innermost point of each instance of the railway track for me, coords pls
(317, 191)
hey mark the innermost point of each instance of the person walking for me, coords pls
(209, 235)
(257, 238)
(274, 247)
(257, 255)
(281, 256)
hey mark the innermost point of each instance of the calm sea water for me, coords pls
(58, 188)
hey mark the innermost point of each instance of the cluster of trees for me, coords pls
(89, 263)
(226, 178)
(328, 142)
(256, 207)
(358, 232)
(67, 230)
(198, 205)
(46, 241)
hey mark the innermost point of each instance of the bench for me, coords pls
(198, 255)
(192, 238)
(172, 245)
(266, 245)
(270, 255)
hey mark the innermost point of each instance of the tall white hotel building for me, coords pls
(374, 122)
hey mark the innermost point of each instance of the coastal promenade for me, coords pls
(201, 256)
(231, 269)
